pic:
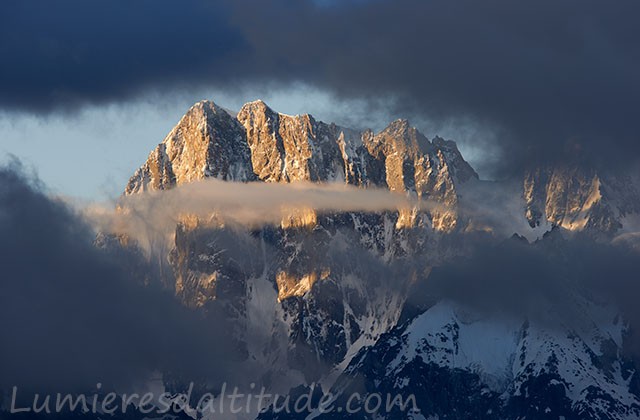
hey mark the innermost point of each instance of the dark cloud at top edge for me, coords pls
(554, 79)
(59, 56)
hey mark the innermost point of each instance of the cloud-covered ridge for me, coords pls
(251, 204)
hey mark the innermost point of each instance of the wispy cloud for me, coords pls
(151, 216)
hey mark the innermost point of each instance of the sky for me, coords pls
(88, 88)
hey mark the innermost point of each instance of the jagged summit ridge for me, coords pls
(262, 144)
(579, 198)
(207, 142)
(288, 148)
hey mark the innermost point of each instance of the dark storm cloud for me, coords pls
(57, 55)
(551, 78)
(73, 315)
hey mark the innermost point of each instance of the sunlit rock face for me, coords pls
(261, 144)
(288, 148)
(430, 170)
(298, 218)
(207, 142)
(577, 198)
(289, 285)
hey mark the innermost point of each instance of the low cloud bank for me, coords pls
(151, 216)
(73, 315)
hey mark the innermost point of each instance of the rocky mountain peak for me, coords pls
(257, 107)
(262, 144)
(206, 142)
(399, 125)
(578, 198)
(459, 167)
(400, 137)
(205, 108)
(287, 148)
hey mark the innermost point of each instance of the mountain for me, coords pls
(558, 357)
(305, 284)
(261, 144)
(579, 198)
(323, 296)
(463, 366)
(207, 142)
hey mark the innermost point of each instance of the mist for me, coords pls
(153, 215)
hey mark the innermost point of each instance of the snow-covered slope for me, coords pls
(501, 368)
